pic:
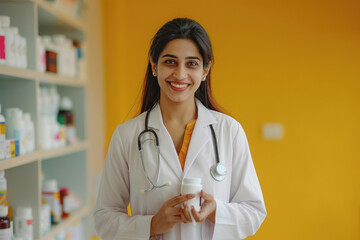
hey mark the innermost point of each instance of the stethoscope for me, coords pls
(217, 171)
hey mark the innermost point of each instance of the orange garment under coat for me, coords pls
(185, 146)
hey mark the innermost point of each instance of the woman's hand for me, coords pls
(207, 210)
(169, 215)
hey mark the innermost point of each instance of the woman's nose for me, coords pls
(180, 72)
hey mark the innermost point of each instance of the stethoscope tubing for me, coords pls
(154, 185)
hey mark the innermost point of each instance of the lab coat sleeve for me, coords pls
(110, 215)
(243, 214)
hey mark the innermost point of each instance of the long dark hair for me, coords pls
(186, 29)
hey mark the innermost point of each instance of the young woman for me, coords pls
(195, 140)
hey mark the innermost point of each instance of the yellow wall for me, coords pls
(293, 62)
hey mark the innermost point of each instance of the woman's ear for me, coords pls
(153, 67)
(206, 72)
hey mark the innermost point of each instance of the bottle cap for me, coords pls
(3, 211)
(59, 38)
(64, 190)
(24, 212)
(66, 104)
(15, 30)
(5, 21)
(27, 117)
(50, 185)
(192, 181)
(17, 114)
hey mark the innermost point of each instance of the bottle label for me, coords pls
(12, 148)
(3, 198)
(2, 48)
(2, 128)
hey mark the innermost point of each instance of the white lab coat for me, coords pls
(240, 208)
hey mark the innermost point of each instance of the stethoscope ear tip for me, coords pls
(168, 183)
(142, 191)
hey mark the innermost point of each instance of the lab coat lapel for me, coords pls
(168, 153)
(201, 134)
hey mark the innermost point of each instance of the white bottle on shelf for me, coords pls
(17, 47)
(50, 192)
(71, 63)
(19, 130)
(24, 223)
(59, 45)
(2, 136)
(10, 123)
(10, 45)
(29, 133)
(2, 45)
(41, 55)
(23, 52)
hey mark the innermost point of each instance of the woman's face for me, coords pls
(179, 71)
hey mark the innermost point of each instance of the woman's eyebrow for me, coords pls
(173, 56)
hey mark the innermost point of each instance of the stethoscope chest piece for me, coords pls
(218, 172)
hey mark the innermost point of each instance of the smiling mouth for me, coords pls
(178, 85)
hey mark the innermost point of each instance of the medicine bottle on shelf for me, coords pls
(2, 45)
(66, 111)
(2, 136)
(5, 230)
(65, 204)
(51, 195)
(10, 41)
(3, 189)
(23, 223)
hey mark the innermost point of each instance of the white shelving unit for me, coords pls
(20, 88)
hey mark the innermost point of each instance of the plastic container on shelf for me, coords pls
(66, 110)
(51, 195)
(51, 55)
(2, 137)
(45, 218)
(24, 223)
(22, 52)
(10, 41)
(5, 230)
(29, 133)
(2, 45)
(19, 131)
(3, 189)
(41, 55)
(9, 122)
(65, 202)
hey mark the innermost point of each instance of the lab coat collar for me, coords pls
(200, 137)
(205, 118)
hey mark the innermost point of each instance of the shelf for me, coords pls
(19, 73)
(63, 151)
(7, 72)
(19, 161)
(39, 155)
(52, 21)
(63, 16)
(78, 215)
(53, 78)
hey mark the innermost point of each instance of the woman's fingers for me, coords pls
(179, 199)
(186, 213)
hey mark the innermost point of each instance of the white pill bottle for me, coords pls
(192, 186)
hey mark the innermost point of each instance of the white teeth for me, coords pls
(178, 85)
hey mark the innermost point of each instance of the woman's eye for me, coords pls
(193, 63)
(169, 61)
